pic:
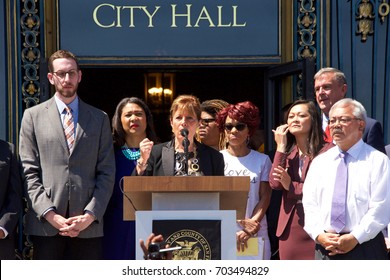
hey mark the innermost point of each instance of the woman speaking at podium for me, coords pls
(183, 155)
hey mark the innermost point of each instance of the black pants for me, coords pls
(374, 249)
(66, 248)
(7, 248)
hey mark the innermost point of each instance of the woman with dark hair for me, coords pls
(131, 124)
(239, 122)
(208, 132)
(298, 142)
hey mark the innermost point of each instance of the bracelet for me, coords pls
(139, 163)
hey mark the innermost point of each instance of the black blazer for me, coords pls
(373, 135)
(162, 160)
(10, 187)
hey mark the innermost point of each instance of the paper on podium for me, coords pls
(255, 245)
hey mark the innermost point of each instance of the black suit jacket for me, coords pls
(373, 135)
(162, 160)
(10, 197)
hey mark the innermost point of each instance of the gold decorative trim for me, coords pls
(30, 53)
(365, 17)
(384, 10)
(307, 24)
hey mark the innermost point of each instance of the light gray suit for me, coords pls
(82, 181)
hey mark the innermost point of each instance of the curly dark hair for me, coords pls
(213, 106)
(244, 112)
(118, 134)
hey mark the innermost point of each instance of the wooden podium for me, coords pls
(231, 193)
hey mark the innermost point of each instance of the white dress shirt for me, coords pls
(368, 194)
(325, 121)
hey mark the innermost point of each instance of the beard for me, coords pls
(68, 92)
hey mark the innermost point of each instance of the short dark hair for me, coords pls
(118, 133)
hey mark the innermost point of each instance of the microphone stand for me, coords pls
(186, 143)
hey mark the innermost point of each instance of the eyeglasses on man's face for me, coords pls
(62, 74)
(206, 122)
(342, 120)
(238, 126)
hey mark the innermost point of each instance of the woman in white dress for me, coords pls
(239, 122)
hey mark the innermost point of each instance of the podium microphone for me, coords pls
(184, 132)
(186, 143)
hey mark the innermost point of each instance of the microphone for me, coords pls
(186, 143)
(184, 132)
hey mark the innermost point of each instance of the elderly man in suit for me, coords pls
(68, 163)
(330, 85)
(10, 199)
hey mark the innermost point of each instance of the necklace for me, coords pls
(131, 153)
(193, 164)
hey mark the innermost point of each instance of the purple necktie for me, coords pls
(337, 218)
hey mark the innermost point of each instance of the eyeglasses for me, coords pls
(206, 122)
(342, 120)
(62, 74)
(238, 126)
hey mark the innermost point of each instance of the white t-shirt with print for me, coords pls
(257, 166)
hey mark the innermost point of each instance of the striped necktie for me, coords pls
(69, 128)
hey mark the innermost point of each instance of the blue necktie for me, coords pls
(337, 218)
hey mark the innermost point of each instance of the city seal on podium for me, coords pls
(194, 245)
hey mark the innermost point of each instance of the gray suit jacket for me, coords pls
(82, 181)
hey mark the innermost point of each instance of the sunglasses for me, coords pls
(206, 122)
(238, 126)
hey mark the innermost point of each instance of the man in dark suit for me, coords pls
(330, 86)
(10, 199)
(68, 164)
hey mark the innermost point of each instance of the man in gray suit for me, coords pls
(10, 199)
(69, 172)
